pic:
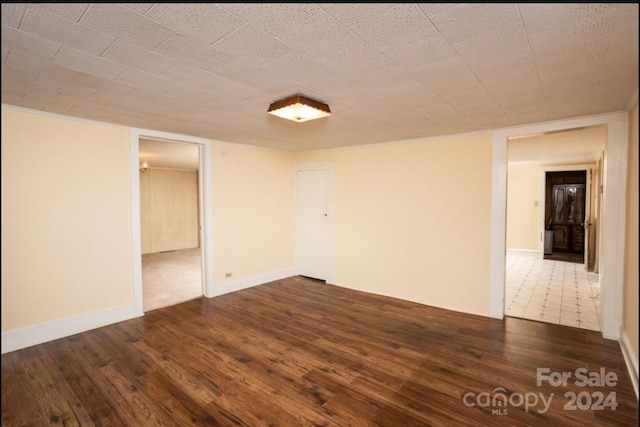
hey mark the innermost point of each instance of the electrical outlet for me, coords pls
(227, 275)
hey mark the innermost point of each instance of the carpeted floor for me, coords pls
(170, 278)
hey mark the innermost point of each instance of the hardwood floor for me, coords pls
(299, 352)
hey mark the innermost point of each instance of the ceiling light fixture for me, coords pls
(299, 108)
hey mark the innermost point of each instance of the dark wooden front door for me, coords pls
(565, 210)
(568, 217)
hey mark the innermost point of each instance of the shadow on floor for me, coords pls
(566, 257)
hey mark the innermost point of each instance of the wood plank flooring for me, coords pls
(299, 352)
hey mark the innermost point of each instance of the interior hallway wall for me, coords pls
(523, 205)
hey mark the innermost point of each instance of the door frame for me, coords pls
(612, 217)
(205, 210)
(588, 168)
(328, 168)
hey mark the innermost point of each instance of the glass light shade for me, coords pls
(299, 108)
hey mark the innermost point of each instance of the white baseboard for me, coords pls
(630, 358)
(39, 334)
(522, 252)
(248, 282)
(44, 332)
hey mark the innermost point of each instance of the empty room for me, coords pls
(354, 214)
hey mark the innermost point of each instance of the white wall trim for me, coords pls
(251, 281)
(206, 207)
(630, 358)
(522, 252)
(498, 235)
(613, 224)
(26, 337)
(612, 221)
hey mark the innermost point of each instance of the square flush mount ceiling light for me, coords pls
(299, 108)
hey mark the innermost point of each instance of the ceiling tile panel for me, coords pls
(422, 53)
(193, 52)
(474, 19)
(27, 44)
(395, 27)
(140, 8)
(145, 81)
(16, 76)
(71, 11)
(196, 78)
(79, 61)
(388, 70)
(381, 76)
(551, 17)
(28, 64)
(122, 23)
(204, 21)
(273, 18)
(253, 45)
(12, 14)
(277, 88)
(242, 71)
(349, 14)
(136, 57)
(509, 43)
(445, 73)
(66, 88)
(319, 36)
(47, 25)
(295, 66)
(431, 9)
(411, 94)
(353, 59)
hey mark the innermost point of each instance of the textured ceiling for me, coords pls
(389, 72)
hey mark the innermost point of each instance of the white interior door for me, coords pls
(312, 224)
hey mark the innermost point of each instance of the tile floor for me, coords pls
(170, 278)
(552, 291)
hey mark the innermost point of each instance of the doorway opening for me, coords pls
(171, 250)
(550, 203)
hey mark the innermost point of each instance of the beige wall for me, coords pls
(66, 218)
(406, 217)
(523, 180)
(168, 210)
(253, 206)
(630, 303)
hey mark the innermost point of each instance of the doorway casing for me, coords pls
(589, 214)
(612, 220)
(205, 191)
